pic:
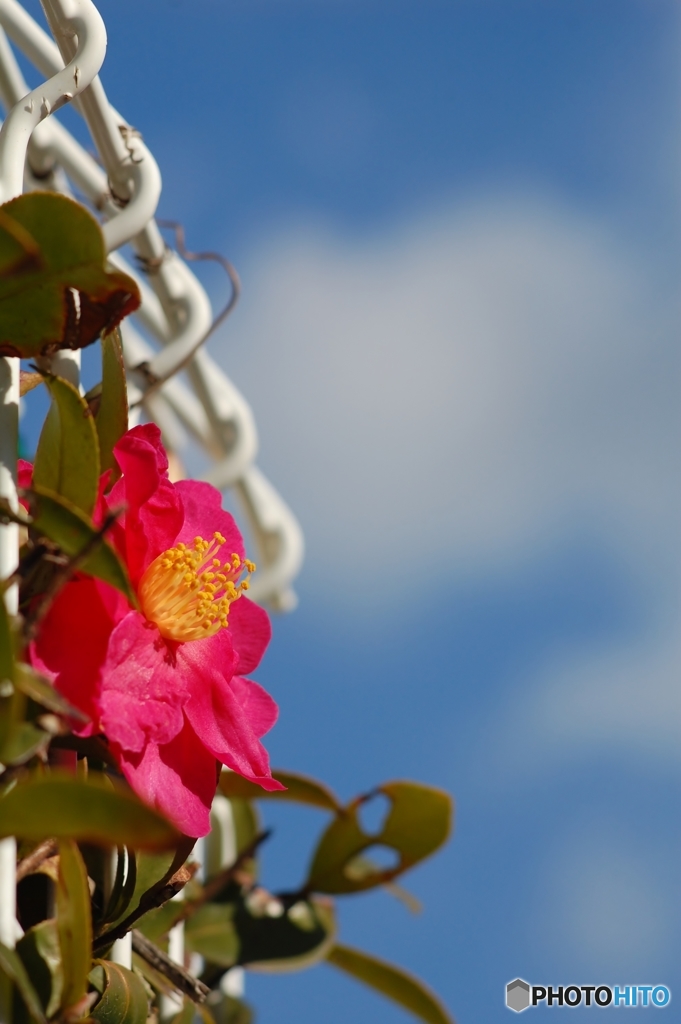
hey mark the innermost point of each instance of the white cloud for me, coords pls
(601, 905)
(624, 697)
(462, 391)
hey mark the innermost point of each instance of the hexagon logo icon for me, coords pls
(517, 995)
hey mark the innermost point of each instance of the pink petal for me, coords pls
(154, 512)
(72, 643)
(202, 660)
(144, 686)
(179, 778)
(249, 625)
(24, 473)
(260, 709)
(24, 477)
(223, 723)
(204, 515)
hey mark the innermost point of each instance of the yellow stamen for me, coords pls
(187, 591)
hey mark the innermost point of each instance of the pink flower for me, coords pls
(165, 683)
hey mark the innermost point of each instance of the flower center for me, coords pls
(187, 591)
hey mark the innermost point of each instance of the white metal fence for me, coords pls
(173, 322)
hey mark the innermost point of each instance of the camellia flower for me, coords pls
(165, 682)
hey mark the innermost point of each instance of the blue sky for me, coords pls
(458, 229)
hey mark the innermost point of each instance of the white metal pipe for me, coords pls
(121, 951)
(170, 1005)
(231, 418)
(278, 537)
(132, 170)
(9, 926)
(221, 852)
(86, 23)
(8, 919)
(176, 312)
(151, 314)
(66, 364)
(133, 173)
(178, 289)
(146, 191)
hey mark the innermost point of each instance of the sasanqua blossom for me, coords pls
(165, 683)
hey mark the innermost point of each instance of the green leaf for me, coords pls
(226, 1011)
(74, 923)
(153, 872)
(23, 741)
(153, 869)
(246, 821)
(419, 821)
(390, 981)
(63, 522)
(51, 246)
(123, 888)
(19, 739)
(89, 810)
(67, 459)
(364, 867)
(41, 956)
(293, 940)
(124, 1000)
(12, 967)
(157, 923)
(111, 418)
(301, 788)
(154, 978)
(41, 690)
(210, 932)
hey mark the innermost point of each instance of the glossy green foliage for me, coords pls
(390, 981)
(123, 997)
(41, 690)
(418, 822)
(299, 788)
(13, 971)
(263, 932)
(67, 459)
(74, 923)
(210, 932)
(50, 248)
(151, 871)
(226, 1010)
(151, 874)
(111, 417)
(41, 955)
(291, 938)
(90, 810)
(125, 880)
(55, 517)
(20, 737)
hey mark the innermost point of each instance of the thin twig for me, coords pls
(32, 862)
(180, 979)
(153, 381)
(63, 575)
(218, 883)
(153, 898)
